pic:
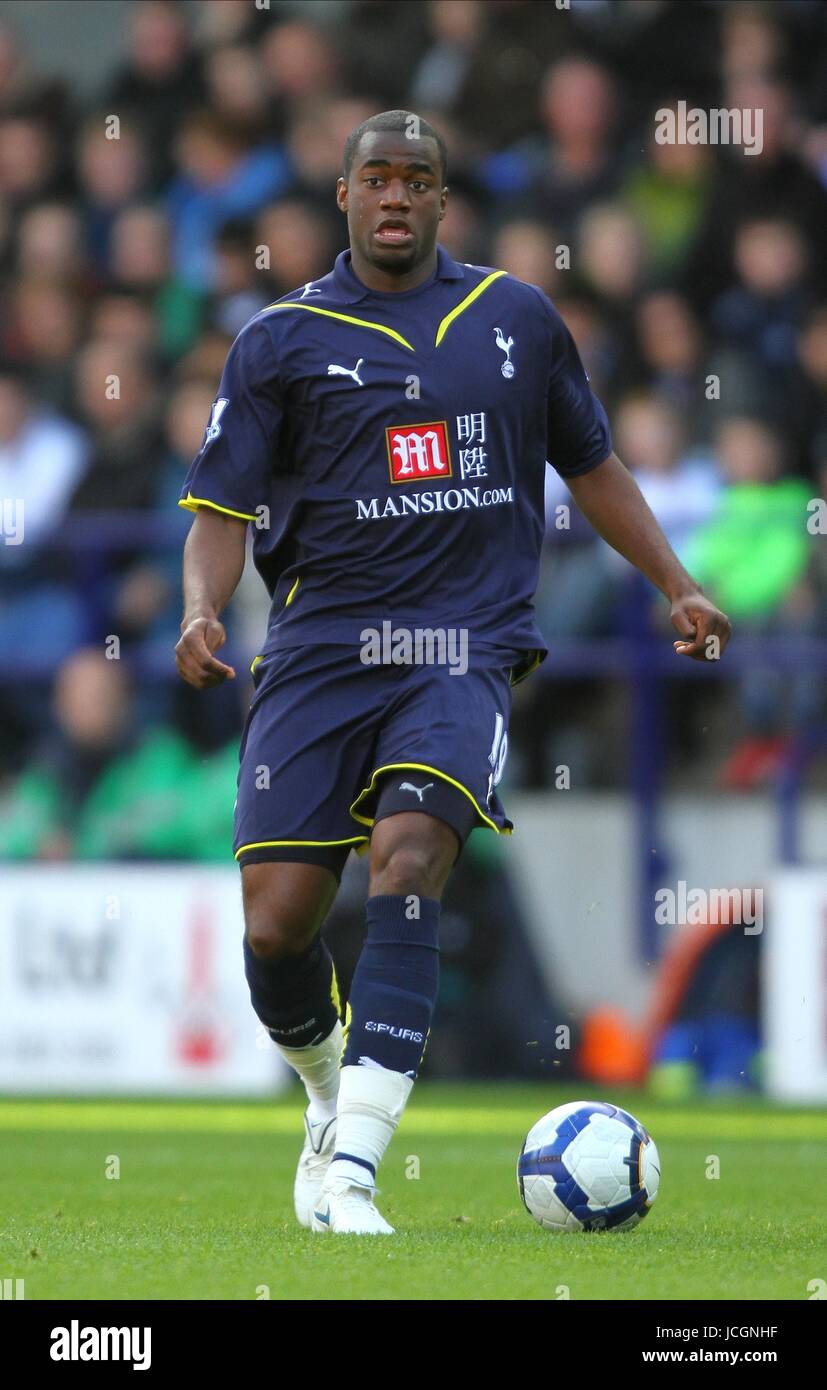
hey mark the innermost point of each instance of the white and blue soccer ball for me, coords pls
(588, 1166)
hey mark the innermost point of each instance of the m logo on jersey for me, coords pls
(418, 451)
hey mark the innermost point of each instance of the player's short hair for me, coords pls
(400, 122)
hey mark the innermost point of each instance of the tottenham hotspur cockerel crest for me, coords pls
(505, 345)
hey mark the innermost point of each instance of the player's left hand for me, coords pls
(705, 630)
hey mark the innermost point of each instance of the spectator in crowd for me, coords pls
(30, 164)
(806, 396)
(147, 601)
(50, 244)
(239, 291)
(42, 458)
(528, 249)
(602, 347)
(692, 278)
(100, 788)
(680, 485)
(514, 41)
(814, 594)
(124, 318)
(117, 398)
(222, 175)
(226, 22)
(140, 262)
(773, 182)
(312, 148)
(297, 243)
(754, 549)
(668, 195)
(670, 357)
(160, 80)
(112, 170)
(667, 46)
(236, 86)
(455, 30)
(612, 257)
(300, 63)
(15, 70)
(753, 44)
(462, 229)
(579, 164)
(580, 583)
(205, 360)
(752, 558)
(760, 313)
(42, 332)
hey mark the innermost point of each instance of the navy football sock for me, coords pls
(395, 985)
(296, 999)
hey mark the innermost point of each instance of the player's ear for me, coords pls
(341, 195)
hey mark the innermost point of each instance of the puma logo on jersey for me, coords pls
(308, 289)
(409, 787)
(334, 370)
(505, 345)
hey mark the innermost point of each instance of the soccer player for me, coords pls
(385, 430)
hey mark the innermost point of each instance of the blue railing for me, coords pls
(637, 655)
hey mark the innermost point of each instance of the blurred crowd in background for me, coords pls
(139, 257)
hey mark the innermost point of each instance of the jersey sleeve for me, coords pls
(235, 466)
(578, 433)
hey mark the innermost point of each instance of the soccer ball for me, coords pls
(588, 1166)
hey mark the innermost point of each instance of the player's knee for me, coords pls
(284, 907)
(275, 930)
(275, 938)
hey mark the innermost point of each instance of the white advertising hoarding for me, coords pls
(127, 978)
(795, 986)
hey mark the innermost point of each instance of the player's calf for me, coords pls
(389, 1018)
(295, 995)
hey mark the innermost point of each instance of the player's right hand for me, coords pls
(194, 654)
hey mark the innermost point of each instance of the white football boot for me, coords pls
(345, 1207)
(319, 1145)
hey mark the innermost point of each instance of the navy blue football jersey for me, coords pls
(390, 451)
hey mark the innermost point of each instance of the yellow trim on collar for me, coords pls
(420, 767)
(464, 304)
(345, 318)
(444, 325)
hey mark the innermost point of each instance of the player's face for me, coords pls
(394, 201)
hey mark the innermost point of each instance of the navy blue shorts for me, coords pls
(327, 738)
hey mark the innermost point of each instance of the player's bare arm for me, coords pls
(612, 502)
(213, 564)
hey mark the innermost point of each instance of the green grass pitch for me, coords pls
(202, 1208)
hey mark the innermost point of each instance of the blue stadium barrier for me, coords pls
(637, 655)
